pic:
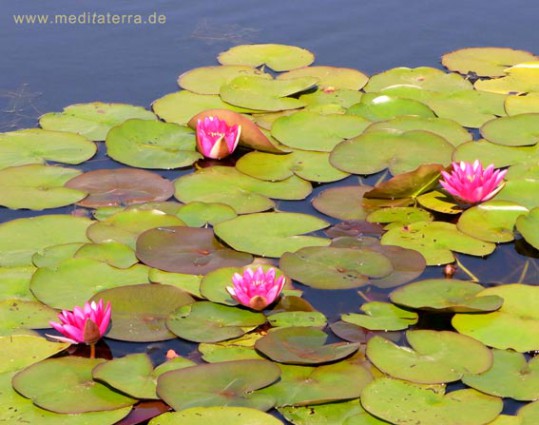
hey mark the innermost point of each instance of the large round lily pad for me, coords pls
(209, 79)
(330, 77)
(381, 316)
(404, 403)
(139, 312)
(61, 384)
(435, 357)
(271, 234)
(279, 57)
(20, 239)
(152, 144)
(219, 384)
(216, 415)
(205, 321)
(93, 120)
(16, 283)
(381, 107)
(16, 315)
(38, 187)
(36, 146)
(303, 346)
(20, 351)
(344, 203)
(200, 214)
(182, 249)
(517, 130)
(121, 186)
(334, 268)
(515, 325)
(445, 295)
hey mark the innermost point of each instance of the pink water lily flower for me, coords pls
(215, 138)
(256, 289)
(471, 184)
(85, 324)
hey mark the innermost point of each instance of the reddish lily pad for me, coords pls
(330, 77)
(60, 384)
(139, 312)
(219, 384)
(121, 187)
(302, 345)
(279, 57)
(187, 250)
(344, 203)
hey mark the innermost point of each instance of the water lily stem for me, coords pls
(92, 351)
(466, 270)
(524, 271)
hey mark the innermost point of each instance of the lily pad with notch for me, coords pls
(279, 57)
(381, 316)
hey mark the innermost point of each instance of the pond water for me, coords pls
(46, 67)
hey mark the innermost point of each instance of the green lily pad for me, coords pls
(445, 295)
(120, 187)
(16, 314)
(528, 225)
(330, 100)
(20, 351)
(265, 95)
(139, 312)
(199, 214)
(37, 187)
(36, 146)
(515, 325)
(20, 239)
(498, 155)
(205, 321)
(209, 79)
(381, 316)
(492, 221)
(309, 165)
(279, 57)
(520, 191)
(126, 226)
(241, 348)
(372, 152)
(271, 234)
(186, 282)
(517, 130)
(93, 120)
(216, 415)
(515, 105)
(330, 77)
(16, 283)
(179, 107)
(60, 384)
(403, 403)
(334, 268)
(152, 144)
(15, 408)
(134, 374)
(324, 414)
(189, 250)
(54, 255)
(302, 345)
(297, 318)
(114, 253)
(399, 215)
(520, 78)
(450, 130)
(381, 107)
(434, 357)
(510, 376)
(219, 384)
(304, 385)
(75, 281)
(308, 130)
(344, 203)
(440, 201)
(243, 193)
(485, 61)
(435, 241)
(529, 413)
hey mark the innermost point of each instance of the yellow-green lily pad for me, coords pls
(216, 415)
(209, 79)
(330, 77)
(381, 316)
(279, 57)
(528, 226)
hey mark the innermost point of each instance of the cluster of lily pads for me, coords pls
(167, 267)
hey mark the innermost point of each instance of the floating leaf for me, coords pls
(317, 132)
(325, 414)
(20, 239)
(271, 234)
(15, 314)
(219, 384)
(330, 101)
(344, 203)
(381, 316)
(529, 413)
(445, 295)
(440, 201)
(16, 283)
(330, 77)
(374, 151)
(265, 95)
(498, 155)
(302, 345)
(517, 130)
(279, 57)
(199, 214)
(139, 312)
(434, 357)
(93, 120)
(381, 107)
(485, 61)
(527, 225)
(36, 146)
(436, 240)
(515, 105)
(510, 376)
(209, 79)
(188, 250)
(399, 215)
(521, 78)
(38, 187)
(297, 318)
(520, 191)
(186, 282)
(402, 403)
(60, 384)
(216, 415)
(120, 187)
(20, 351)
(114, 253)
(205, 321)
(515, 325)
(241, 348)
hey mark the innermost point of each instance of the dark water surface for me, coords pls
(45, 67)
